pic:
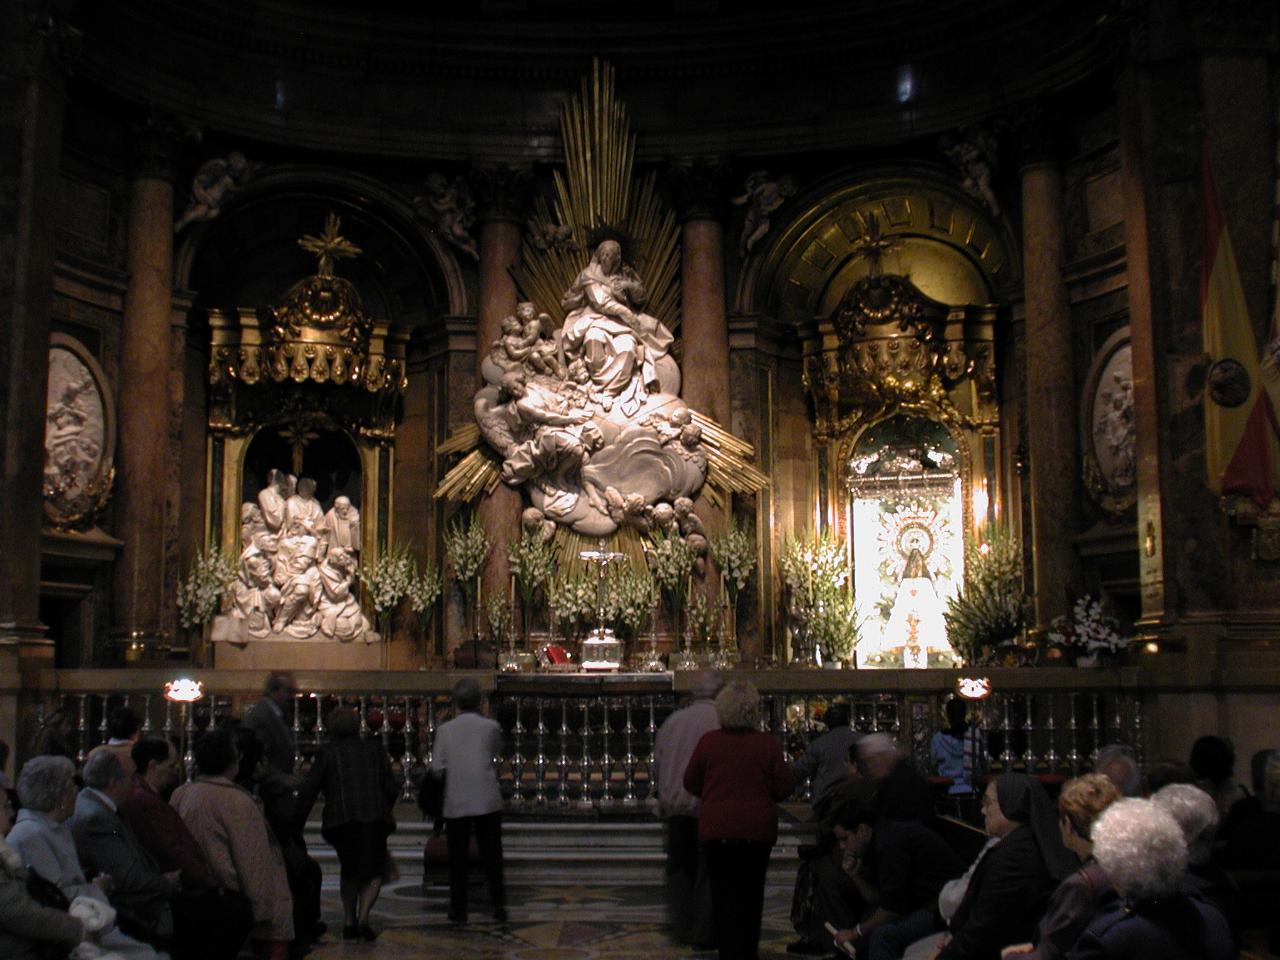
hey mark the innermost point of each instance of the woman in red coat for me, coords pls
(739, 775)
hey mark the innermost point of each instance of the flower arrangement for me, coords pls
(833, 625)
(388, 579)
(816, 570)
(631, 595)
(671, 561)
(735, 553)
(424, 591)
(533, 564)
(499, 615)
(992, 608)
(200, 593)
(1090, 629)
(467, 545)
(701, 620)
(572, 599)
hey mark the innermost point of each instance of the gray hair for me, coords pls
(1116, 762)
(1141, 848)
(707, 684)
(43, 781)
(102, 769)
(875, 744)
(738, 705)
(1197, 815)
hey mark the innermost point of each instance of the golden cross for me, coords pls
(329, 246)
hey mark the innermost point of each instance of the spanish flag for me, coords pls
(1239, 418)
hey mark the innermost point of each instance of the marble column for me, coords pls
(704, 329)
(144, 450)
(1051, 397)
(32, 105)
(502, 194)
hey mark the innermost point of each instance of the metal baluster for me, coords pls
(168, 720)
(1006, 729)
(517, 759)
(189, 758)
(431, 730)
(1050, 726)
(82, 730)
(606, 758)
(364, 716)
(297, 732)
(562, 762)
(319, 719)
(875, 717)
(104, 701)
(146, 713)
(540, 761)
(1117, 722)
(651, 760)
(1028, 731)
(406, 760)
(1139, 741)
(385, 732)
(1073, 758)
(585, 773)
(1093, 726)
(629, 758)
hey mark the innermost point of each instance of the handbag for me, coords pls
(431, 795)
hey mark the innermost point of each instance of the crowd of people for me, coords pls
(121, 861)
(1118, 865)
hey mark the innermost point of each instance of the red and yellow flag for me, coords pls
(1239, 416)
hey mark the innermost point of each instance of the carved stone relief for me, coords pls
(79, 439)
(1110, 459)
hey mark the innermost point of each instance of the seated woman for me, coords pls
(28, 931)
(1012, 881)
(1197, 814)
(232, 832)
(47, 791)
(1142, 850)
(1086, 891)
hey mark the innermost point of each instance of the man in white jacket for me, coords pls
(464, 750)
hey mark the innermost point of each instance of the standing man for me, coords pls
(266, 719)
(464, 751)
(688, 893)
(278, 790)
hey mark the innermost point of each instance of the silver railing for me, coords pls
(578, 742)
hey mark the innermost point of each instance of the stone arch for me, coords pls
(951, 246)
(241, 259)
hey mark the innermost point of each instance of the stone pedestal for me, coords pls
(144, 455)
(1051, 395)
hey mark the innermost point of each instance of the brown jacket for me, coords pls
(241, 850)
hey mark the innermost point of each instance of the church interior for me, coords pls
(880, 354)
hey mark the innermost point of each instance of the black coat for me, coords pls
(1176, 928)
(1006, 897)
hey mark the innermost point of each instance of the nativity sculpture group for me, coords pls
(297, 569)
(588, 418)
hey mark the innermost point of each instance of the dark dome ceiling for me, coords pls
(485, 81)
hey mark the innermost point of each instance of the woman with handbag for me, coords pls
(354, 774)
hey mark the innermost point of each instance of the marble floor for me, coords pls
(547, 921)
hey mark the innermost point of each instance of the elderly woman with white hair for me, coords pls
(47, 791)
(1197, 814)
(738, 774)
(1143, 851)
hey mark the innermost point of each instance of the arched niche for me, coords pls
(324, 452)
(948, 245)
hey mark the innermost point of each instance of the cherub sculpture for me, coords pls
(216, 182)
(448, 206)
(763, 195)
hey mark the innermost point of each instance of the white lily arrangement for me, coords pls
(200, 593)
(1089, 627)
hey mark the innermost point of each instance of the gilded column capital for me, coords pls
(502, 192)
(1037, 136)
(156, 139)
(700, 187)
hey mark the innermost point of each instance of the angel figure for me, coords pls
(216, 181)
(974, 154)
(449, 207)
(763, 196)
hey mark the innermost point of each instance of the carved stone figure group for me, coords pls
(587, 418)
(298, 565)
